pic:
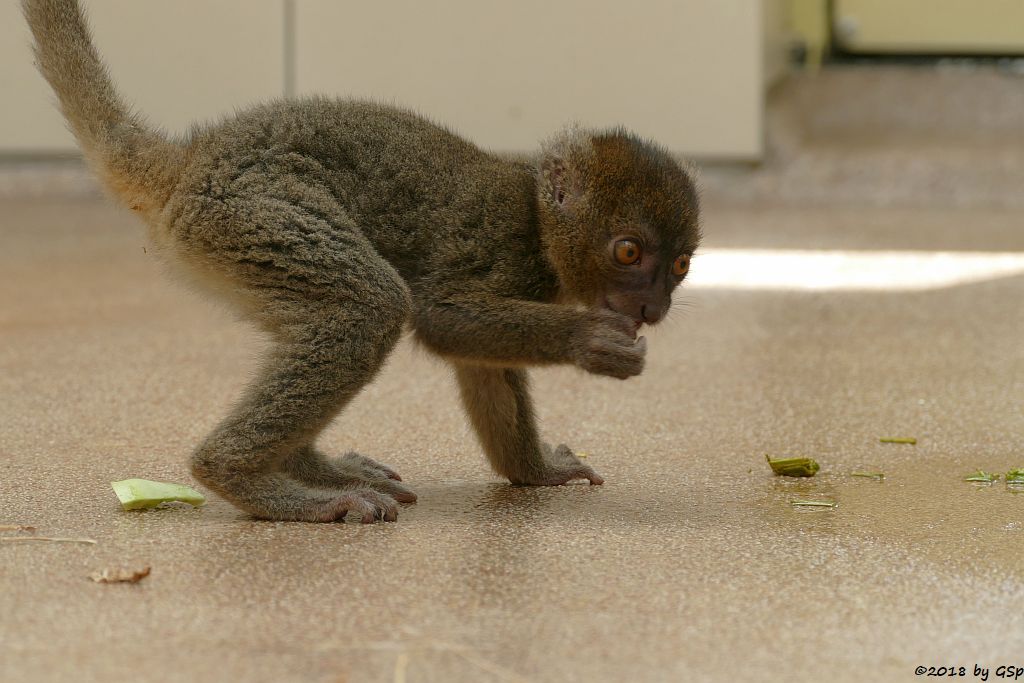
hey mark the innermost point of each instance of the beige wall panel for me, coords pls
(177, 62)
(930, 26)
(506, 74)
(28, 119)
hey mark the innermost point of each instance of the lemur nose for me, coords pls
(653, 317)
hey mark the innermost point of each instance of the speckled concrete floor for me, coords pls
(689, 564)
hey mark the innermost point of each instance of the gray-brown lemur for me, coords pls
(332, 224)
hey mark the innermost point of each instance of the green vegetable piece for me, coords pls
(869, 475)
(814, 503)
(899, 439)
(136, 494)
(982, 476)
(793, 467)
(1015, 476)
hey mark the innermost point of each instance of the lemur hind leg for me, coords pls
(336, 309)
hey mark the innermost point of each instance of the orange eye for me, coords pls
(627, 252)
(681, 266)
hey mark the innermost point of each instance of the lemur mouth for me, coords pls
(608, 305)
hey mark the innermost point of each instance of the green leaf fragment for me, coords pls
(982, 476)
(814, 503)
(1015, 476)
(899, 439)
(137, 494)
(869, 475)
(793, 467)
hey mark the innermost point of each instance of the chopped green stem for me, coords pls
(814, 503)
(982, 476)
(793, 467)
(136, 494)
(899, 439)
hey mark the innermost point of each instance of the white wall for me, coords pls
(508, 73)
(177, 61)
(688, 73)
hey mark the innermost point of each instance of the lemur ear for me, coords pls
(559, 182)
(560, 175)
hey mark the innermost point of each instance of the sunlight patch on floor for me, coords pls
(795, 269)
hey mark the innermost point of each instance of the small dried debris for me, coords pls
(16, 527)
(120, 575)
(878, 476)
(49, 539)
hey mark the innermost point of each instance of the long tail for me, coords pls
(139, 165)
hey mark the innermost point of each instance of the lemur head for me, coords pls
(619, 221)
